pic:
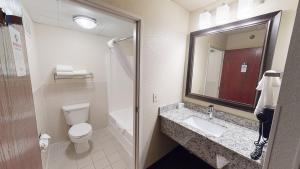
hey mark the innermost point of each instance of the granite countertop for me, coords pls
(236, 138)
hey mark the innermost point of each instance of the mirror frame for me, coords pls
(272, 22)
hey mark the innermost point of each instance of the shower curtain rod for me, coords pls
(122, 39)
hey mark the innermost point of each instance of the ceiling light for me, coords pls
(85, 22)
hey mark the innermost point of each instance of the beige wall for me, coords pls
(83, 51)
(38, 95)
(284, 144)
(287, 21)
(218, 41)
(241, 40)
(164, 35)
(33, 61)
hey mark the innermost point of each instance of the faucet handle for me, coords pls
(210, 108)
(210, 111)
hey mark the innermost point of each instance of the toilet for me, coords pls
(80, 131)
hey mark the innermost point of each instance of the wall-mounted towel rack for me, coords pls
(74, 76)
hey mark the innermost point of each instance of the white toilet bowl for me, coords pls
(80, 131)
(80, 134)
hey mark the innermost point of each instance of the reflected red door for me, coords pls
(237, 85)
(19, 147)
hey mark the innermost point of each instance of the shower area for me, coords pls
(120, 73)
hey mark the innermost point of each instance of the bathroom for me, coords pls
(83, 84)
(153, 84)
(80, 71)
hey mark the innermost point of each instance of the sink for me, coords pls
(205, 126)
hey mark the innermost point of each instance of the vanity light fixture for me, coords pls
(223, 14)
(205, 20)
(245, 8)
(85, 21)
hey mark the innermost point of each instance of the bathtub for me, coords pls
(121, 126)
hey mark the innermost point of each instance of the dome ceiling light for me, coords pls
(85, 21)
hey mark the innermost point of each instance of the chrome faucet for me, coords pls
(210, 111)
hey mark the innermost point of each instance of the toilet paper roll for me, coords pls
(45, 136)
(44, 142)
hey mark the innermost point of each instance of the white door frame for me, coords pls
(103, 7)
(206, 70)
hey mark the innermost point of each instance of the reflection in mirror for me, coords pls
(227, 65)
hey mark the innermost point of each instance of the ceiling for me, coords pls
(193, 4)
(247, 29)
(60, 13)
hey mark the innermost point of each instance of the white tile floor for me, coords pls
(106, 153)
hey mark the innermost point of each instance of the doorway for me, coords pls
(58, 83)
(213, 72)
(240, 65)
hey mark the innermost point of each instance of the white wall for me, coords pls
(83, 51)
(164, 35)
(120, 86)
(287, 21)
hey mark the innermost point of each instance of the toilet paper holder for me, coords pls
(44, 141)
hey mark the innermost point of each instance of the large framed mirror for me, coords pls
(226, 62)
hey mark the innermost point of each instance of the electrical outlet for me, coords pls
(155, 98)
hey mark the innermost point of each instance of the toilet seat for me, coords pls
(80, 130)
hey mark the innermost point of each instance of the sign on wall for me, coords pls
(17, 48)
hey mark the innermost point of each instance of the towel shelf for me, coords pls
(62, 77)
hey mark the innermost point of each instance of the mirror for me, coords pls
(227, 65)
(226, 62)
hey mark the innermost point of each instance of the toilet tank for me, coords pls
(77, 113)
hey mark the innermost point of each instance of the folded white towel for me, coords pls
(74, 73)
(64, 73)
(267, 86)
(64, 68)
(81, 72)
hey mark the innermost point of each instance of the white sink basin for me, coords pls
(205, 126)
